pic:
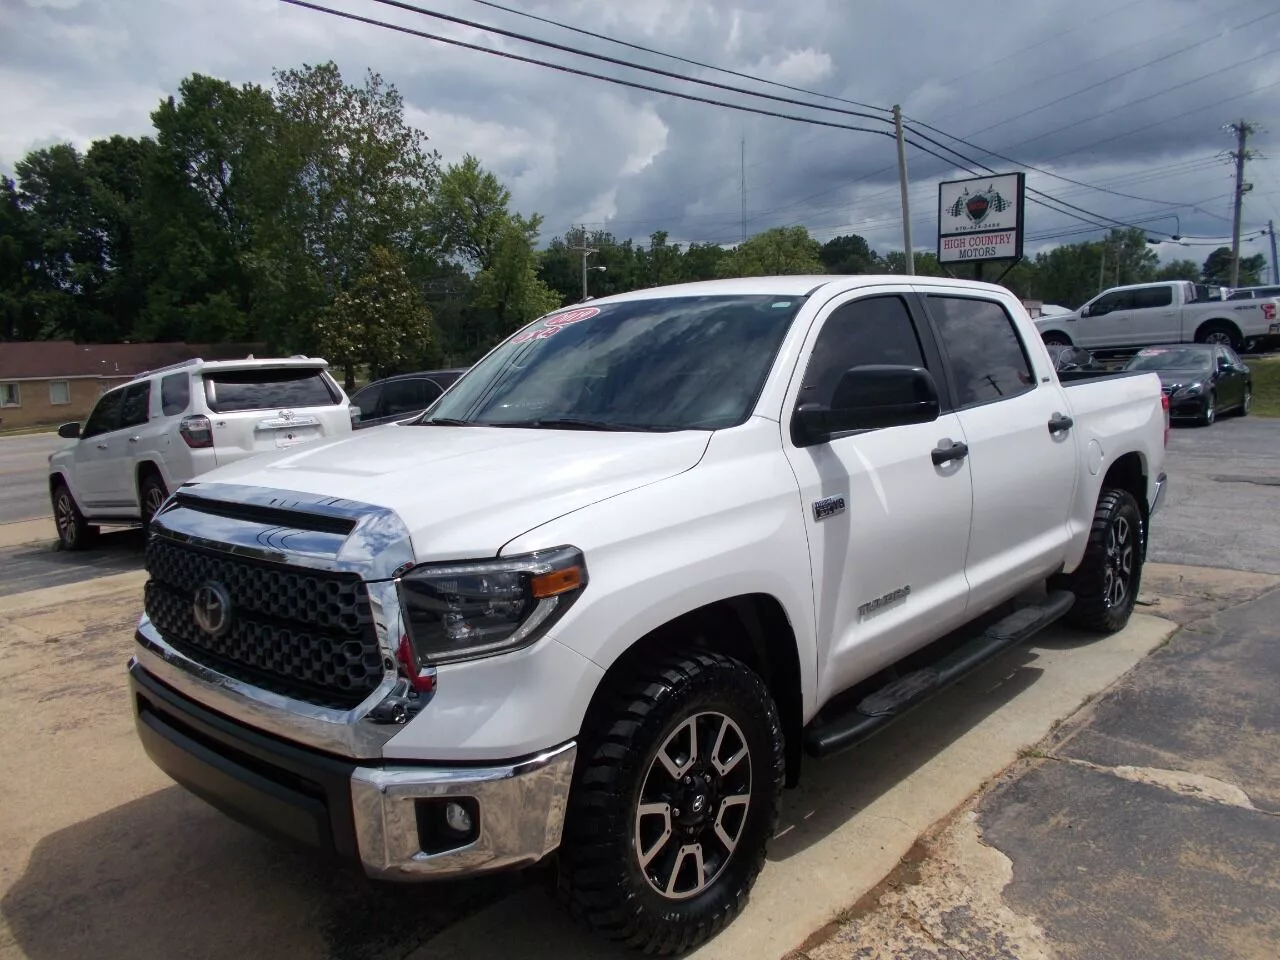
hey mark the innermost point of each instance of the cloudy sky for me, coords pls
(1128, 95)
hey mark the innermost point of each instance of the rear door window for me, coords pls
(1152, 297)
(231, 391)
(137, 401)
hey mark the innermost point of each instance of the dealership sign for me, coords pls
(980, 219)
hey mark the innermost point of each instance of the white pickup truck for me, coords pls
(598, 600)
(1178, 311)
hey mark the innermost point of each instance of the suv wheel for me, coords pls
(674, 802)
(1107, 581)
(151, 495)
(74, 532)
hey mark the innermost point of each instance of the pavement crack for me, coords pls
(1195, 786)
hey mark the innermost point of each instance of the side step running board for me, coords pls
(879, 709)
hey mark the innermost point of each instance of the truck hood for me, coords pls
(1056, 318)
(463, 492)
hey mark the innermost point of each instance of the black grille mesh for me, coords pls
(303, 633)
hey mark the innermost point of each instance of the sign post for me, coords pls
(980, 220)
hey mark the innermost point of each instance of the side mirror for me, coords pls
(869, 398)
(69, 431)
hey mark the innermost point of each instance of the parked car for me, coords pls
(1067, 358)
(167, 426)
(1200, 380)
(1253, 293)
(606, 593)
(400, 397)
(1174, 312)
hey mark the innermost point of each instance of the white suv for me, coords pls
(164, 427)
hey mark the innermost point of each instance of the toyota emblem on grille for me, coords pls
(212, 609)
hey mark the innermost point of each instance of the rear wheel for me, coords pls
(674, 802)
(1107, 581)
(1221, 333)
(151, 495)
(74, 532)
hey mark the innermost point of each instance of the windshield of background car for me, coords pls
(676, 363)
(1173, 358)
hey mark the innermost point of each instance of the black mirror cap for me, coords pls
(69, 431)
(869, 398)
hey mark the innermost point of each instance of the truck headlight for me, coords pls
(461, 611)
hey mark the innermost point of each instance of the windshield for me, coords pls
(1175, 358)
(676, 363)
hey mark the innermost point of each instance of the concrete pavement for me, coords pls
(1147, 826)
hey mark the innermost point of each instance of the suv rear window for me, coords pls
(229, 391)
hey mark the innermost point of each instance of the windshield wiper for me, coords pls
(577, 423)
(445, 422)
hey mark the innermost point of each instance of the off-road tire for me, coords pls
(599, 871)
(151, 495)
(74, 532)
(1095, 610)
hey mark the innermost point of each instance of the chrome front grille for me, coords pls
(303, 633)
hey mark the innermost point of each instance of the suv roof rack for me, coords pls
(172, 366)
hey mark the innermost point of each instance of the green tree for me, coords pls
(1217, 269)
(1178, 270)
(848, 255)
(926, 263)
(19, 319)
(381, 320)
(511, 287)
(782, 250)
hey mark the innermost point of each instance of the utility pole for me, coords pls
(742, 184)
(1242, 131)
(910, 259)
(582, 248)
(1275, 268)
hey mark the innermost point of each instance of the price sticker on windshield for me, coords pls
(552, 324)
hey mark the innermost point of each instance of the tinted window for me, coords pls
(669, 363)
(137, 400)
(175, 394)
(1152, 297)
(106, 415)
(231, 390)
(871, 331)
(1121, 300)
(983, 346)
(407, 396)
(367, 400)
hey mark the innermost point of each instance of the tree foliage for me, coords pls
(782, 250)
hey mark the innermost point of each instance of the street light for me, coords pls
(585, 271)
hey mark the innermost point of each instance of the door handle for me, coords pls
(101, 446)
(954, 451)
(1059, 423)
(134, 439)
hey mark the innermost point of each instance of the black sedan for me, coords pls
(1201, 380)
(400, 397)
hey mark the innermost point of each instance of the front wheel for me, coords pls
(1056, 340)
(1107, 581)
(1210, 410)
(674, 802)
(151, 496)
(74, 532)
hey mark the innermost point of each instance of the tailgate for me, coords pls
(271, 408)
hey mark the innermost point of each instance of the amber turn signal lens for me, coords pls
(556, 582)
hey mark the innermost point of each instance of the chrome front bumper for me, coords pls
(521, 810)
(385, 818)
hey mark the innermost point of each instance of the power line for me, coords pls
(562, 68)
(691, 62)
(629, 64)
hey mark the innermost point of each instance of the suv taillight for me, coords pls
(1164, 405)
(197, 432)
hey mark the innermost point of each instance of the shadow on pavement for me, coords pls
(166, 875)
(36, 566)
